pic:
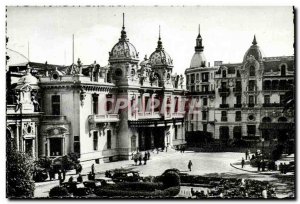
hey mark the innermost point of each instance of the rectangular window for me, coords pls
(251, 129)
(192, 88)
(77, 144)
(251, 85)
(282, 99)
(205, 101)
(108, 139)
(192, 78)
(238, 99)
(238, 116)
(147, 104)
(223, 85)
(204, 115)
(204, 127)
(223, 99)
(176, 105)
(205, 88)
(95, 140)
(267, 99)
(95, 104)
(223, 116)
(55, 104)
(109, 104)
(238, 86)
(251, 99)
(175, 132)
(205, 77)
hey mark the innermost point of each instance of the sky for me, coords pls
(227, 32)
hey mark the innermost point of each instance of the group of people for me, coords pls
(283, 168)
(138, 157)
(240, 188)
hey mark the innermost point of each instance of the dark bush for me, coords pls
(43, 162)
(67, 163)
(19, 181)
(277, 152)
(169, 192)
(74, 157)
(40, 174)
(82, 191)
(172, 170)
(170, 179)
(58, 191)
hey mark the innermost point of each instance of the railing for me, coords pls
(224, 118)
(272, 105)
(178, 115)
(202, 93)
(104, 118)
(238, 105)
(237, 89)
(224, 105)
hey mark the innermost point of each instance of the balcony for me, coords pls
(224, 105)
(103, 118)
(238, 105)
(237, 90)
(178, 115)
(149, 115)
(224, 118)
(202, 93)
(271, 105)
(224, 91)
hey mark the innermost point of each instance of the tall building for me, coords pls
(242, 101)
(103, 113)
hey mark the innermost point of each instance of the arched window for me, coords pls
(238, 74)
(224, 73)
(252, 71)
(266, 120)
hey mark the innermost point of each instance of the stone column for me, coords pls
(17, 137)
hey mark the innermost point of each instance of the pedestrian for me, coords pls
(258, 165)
(148, 155)
(145, 158)
(93, 169)
(246, 154)
(59, 177)
(71, 179)
(192, 192)
(263, 166)
(284, 168)
(190, 165)
(243, 163)
(183, 149)
(64, 174)
(140, 159)
(157, 150)
(79, 168)
(79, 178)
(135, 159)
(281, 168)
(166, 148)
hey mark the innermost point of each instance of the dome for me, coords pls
(144, 62)
(123, 49)
(160, 57)
(28, 79)
(253, 51)
(198, 60)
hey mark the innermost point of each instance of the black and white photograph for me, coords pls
(150, 102)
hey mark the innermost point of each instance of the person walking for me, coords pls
(258, 165)
(93, 169)
(243, 163)
(190, 165)
(135, 159)
(263, 166)
(140, 159)
(145, 158)
(148, 155)
(59, 177)
(246, 154)
(79, 178)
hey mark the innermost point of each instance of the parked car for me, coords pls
(120, 175)
(105, 181)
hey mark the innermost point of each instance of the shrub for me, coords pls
(136, 186)
(67, 163)
(58, 191)
(82, 191)
(44, 162)
(40, 174)
(170, 179)
(19, 181)
(277, 152)
(172, 170)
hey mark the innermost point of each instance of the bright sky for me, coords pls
(227, 32)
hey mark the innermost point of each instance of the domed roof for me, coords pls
(253, 51)
(123, 49)
(160, 57)
(198, 60)
(28, 79)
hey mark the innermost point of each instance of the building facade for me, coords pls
(102, 113)
(242, 101)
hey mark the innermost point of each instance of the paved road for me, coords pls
(208, 164)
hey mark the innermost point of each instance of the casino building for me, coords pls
(103, 113)
(242, 101)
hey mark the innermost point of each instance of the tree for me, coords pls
(19, 168)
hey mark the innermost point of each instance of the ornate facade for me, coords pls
(242, 101)
(103, 113)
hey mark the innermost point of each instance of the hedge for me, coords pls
(58, 192)
(172, 191)
(136, 186)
